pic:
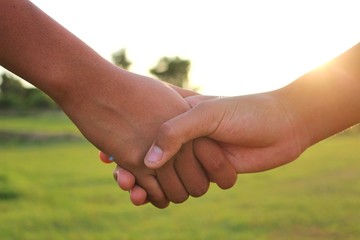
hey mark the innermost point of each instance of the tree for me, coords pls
(12, 92)
(15, 97)
(172, 70)
(36, 99)
(10, 85)
(119, 58)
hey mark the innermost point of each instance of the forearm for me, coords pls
(94, 93)
(35, 47)
(326, 100)
(118, 111)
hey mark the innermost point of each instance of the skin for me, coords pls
(119, 112)
(267, 130)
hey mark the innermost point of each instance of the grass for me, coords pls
(44, 122)
(36, 127)
(61, 191)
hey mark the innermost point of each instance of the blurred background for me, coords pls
(52, 185)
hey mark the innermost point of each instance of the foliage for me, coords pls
(120, 59)
(14, 96)
(38, 100)
(12, 92)
(9, 84)
(172, 70)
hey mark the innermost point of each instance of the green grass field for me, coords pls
(61, 191)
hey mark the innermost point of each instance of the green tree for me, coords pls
(120, 59)
(12, 92)
(172, 70)
(36, 99)
(9, 85)
(15, 96)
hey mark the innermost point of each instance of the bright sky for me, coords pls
(235, 46)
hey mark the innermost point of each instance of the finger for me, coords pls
(171, 183)
(199, 121)
(138, 196)
(105, 158)
(212, 158)
(126, 181)
(191, 172)
(151, 190)
(154, 192)
(124, 178)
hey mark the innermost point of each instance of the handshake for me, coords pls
(175, 142)
(170, 143)
(176, 165)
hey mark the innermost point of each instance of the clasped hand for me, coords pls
(228, 136)
(131, 131)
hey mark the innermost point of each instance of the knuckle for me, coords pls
(161, 205)
(228, 183)
(215, 165)
(200, 190)
(158, 201)
(168, 131)
(179, 198)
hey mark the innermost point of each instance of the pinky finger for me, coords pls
(124, 179)
(105, 158)
(138, 196)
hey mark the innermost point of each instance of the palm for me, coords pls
(258, 159)
(255, 132)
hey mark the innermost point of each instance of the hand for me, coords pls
(256, 132)
(218, 169)
(124, 122)
(263, 131)
(117, 111)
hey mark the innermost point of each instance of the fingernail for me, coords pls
(154, 155)
(115, 175)
(105, 159)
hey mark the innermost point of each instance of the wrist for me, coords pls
(82, 81)
(321, 103)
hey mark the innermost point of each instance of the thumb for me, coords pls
(199, 121)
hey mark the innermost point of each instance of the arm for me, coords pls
(118, 111)
(263, 131)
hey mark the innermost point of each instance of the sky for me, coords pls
(235, 47)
